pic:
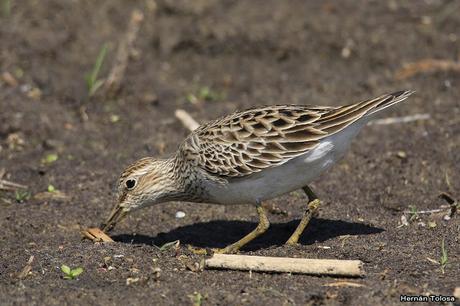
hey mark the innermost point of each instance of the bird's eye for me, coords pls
(130, 184)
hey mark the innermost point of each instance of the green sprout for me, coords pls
(21, 195)
(6, 8)
(114, 118)
(71, 273)
(204, 94)
(444, 259)
(207, 94)
(413, 213)
(169, 245)
(92, 81)
(50, 158)
(197, 298)
(51, 188)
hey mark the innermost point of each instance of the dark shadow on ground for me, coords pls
(219, 233)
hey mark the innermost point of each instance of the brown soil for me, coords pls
(249, 53)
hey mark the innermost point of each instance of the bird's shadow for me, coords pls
(220, 233)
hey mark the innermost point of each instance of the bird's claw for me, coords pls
(210, 251)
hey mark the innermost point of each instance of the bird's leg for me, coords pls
(260, 229)
(312, 207)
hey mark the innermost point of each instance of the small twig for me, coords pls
(427, 211)
(449, 185)
(7, 185)
(27, 268)
(125, 48)
(186, 119)
(352, 268)
(426, 65)
(344, 284)
(405, 119)
(10, 186)
(55, 196)
(96, 235)
(432, 261)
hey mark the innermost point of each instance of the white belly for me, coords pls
(292, 175)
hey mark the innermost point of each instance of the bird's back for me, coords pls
(251, 141)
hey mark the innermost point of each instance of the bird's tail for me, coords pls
(388, 100)
(341, 117)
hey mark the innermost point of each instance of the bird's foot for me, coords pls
(309, 213)
(231, 249)
(210, 251)
(198, 251)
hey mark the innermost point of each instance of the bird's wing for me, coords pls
(249, 141)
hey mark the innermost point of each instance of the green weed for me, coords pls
(196, 298)
(50, 158)
(413, 213)
(6, 8)
(205, 93)
(71, 273)
(91, 78)
(169, 245)
(21, 196)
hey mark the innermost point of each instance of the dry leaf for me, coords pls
(96, 235)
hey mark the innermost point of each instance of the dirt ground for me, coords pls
(210, 58)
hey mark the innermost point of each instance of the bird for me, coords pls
(249, 157)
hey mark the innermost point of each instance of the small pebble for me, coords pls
(132, 280)
(404, 220)
(401, 154)
(180, 214)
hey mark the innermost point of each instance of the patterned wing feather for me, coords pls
(247, 142)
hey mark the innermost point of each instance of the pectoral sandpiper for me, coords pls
(249, 157)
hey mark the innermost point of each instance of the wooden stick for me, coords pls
(96, 235)
(352, 268)
(125, 47)
(405, 119)
(186, 119)
(27, 268)
(344, 284)
(426, 65)
(7, 185)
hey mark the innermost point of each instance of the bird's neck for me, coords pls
(187, 179)
(176, 172)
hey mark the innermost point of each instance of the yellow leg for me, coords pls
(260, 229)
(312, 207)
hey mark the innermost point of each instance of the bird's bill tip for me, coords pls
(117, 214)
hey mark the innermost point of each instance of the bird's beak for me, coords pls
(117, 214)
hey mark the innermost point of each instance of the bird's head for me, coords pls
(146, 182)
